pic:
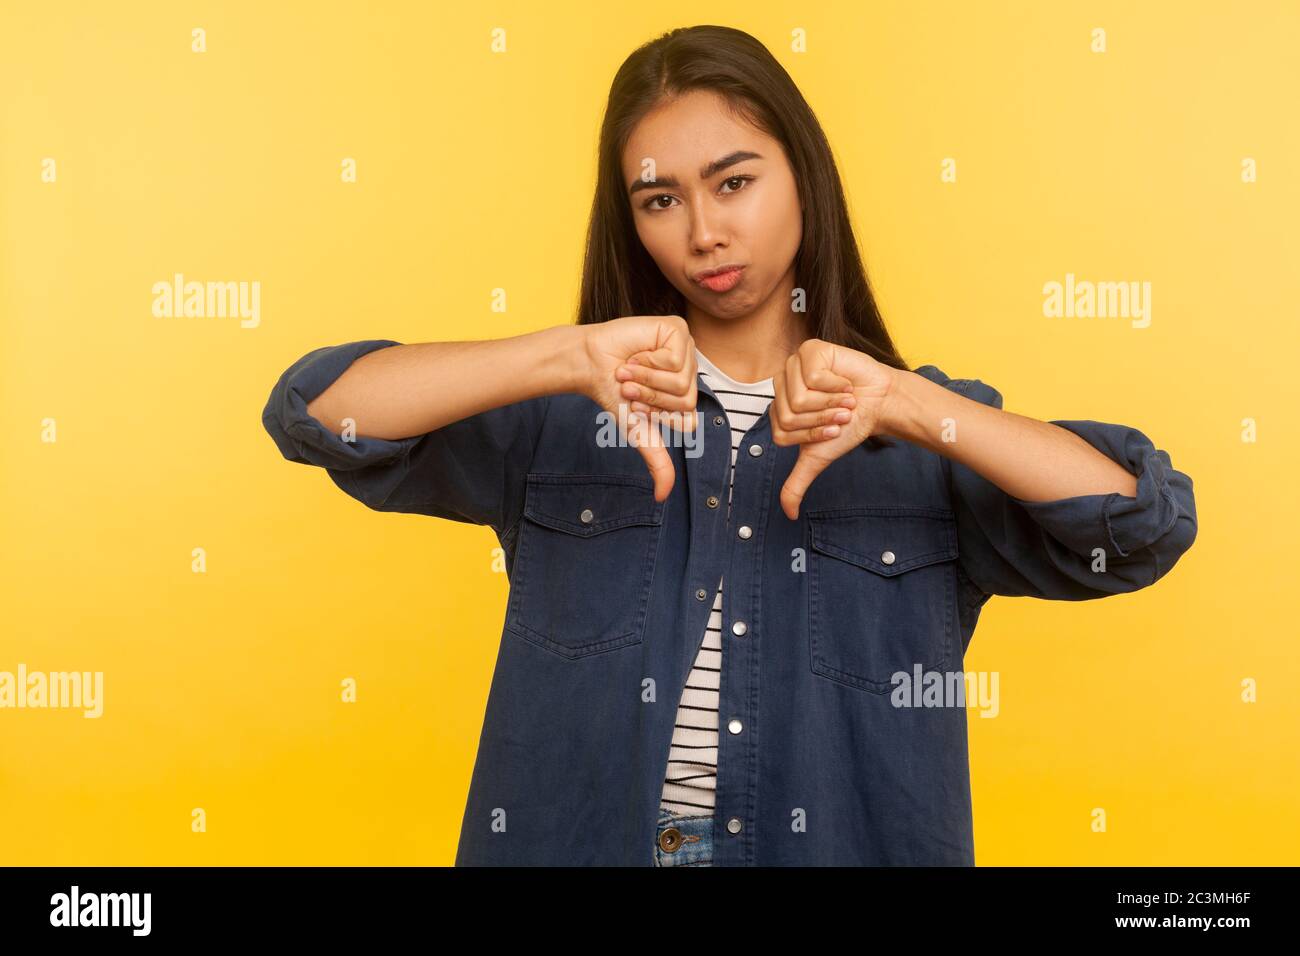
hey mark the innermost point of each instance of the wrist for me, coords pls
(901, 413)
(573, 365)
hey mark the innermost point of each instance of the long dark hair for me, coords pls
(620, 278)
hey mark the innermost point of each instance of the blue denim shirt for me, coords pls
(894, 553)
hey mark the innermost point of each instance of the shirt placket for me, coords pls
(736, 557)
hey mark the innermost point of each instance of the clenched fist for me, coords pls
(639, 365)
(829, 399)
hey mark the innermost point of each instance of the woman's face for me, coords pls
(723, 194)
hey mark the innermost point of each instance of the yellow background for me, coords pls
(475, 171)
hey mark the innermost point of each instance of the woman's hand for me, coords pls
(829, 399)
(642, 369)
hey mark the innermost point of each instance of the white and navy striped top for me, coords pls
(691, 780)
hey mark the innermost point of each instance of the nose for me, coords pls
(707, 228)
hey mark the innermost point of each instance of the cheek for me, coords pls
(775, 216)
(780, 227)
(790, 228)
(656, 242)
(791, 219)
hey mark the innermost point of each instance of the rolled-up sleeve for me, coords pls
(1054, 549)
(472, 470)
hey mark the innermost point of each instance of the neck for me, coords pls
(754, 346)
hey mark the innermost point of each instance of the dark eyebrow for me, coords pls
(709, 171)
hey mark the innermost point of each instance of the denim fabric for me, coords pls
(696, 839)
(894, 553)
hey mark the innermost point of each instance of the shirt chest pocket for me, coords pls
(881, 593)
(585, 562)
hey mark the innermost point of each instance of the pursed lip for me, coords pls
(708, 273)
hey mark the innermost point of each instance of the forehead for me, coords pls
(684, 134)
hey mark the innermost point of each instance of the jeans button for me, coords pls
(670, 840)
(734, 825)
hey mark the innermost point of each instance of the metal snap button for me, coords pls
(711, 501)
(719, 420)
(734, 825)
(739, 629)
(735, 726)
(887, 557)
(586, 516)
(745, 531)
(670, 840)
(756, 450)
(701, 594)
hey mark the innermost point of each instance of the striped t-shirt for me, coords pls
(691, 781)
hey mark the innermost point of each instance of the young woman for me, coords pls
(718, 608)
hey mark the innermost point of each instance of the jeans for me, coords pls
(689, 839)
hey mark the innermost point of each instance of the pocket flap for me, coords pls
(590, 504)
(887, 541)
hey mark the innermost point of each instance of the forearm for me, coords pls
(407, 390)
(1029, 459)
